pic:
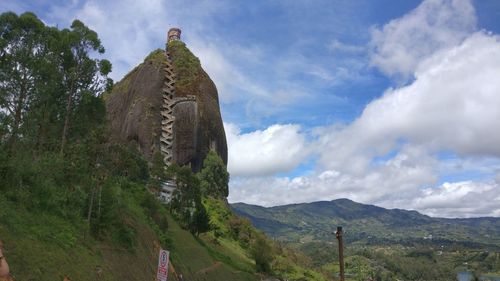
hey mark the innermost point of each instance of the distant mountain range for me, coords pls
(367, 224)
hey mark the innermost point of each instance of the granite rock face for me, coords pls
(135, 103)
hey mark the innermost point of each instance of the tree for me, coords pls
(47, 78)
(186, 202)
(262, 254)
(22, 47)
(81, 73)
(41, 69)
(200, 220)
(214, 178)
(157, 170)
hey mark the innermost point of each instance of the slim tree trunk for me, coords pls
(66, 121)
(91, 206)
(69, 103)
(99, 204)
(18, 110)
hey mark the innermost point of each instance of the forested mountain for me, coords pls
(383, 244)
(366, 223)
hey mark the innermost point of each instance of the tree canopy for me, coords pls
(214, 178)
(54, 155)
(48, 77)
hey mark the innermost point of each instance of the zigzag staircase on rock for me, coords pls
(167, 112)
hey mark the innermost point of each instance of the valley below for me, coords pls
(383, 244)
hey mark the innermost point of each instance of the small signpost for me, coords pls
(162, 272)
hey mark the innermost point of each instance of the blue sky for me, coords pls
(386, 102)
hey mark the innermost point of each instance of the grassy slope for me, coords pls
(195, 260)
(286, 263)
(45, 247)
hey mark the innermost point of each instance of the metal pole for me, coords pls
(338, 234)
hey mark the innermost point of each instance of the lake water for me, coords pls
(489, 278)
(464, 276)
(467, 276)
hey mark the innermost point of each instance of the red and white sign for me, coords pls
(162, 273)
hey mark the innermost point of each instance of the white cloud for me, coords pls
(389, 184)
(460, 199)
(127, 28)
(452, 105)
(130, 30)
(228, 77)
(279, 148)
(399, 45)
(337, 46)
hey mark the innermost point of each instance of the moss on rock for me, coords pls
(187, 67)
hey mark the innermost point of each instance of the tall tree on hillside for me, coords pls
(214, 178)
(22, 47)
(48, 75)
(81, 73)
(186, 202)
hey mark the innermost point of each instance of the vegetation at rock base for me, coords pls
(186, 203)
(214, 178)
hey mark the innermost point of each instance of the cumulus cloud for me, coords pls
(407, 180)
(452, 105)
(401, 44)
(279, 148)
(460, 199)
(388, 184)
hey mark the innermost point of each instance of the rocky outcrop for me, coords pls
(169, 104)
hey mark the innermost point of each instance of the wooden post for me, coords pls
(338, 234)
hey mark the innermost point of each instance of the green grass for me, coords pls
(285, 264)
(228, 251)
(187, 66)
(156, 57)
(198, 261)
(41, 246)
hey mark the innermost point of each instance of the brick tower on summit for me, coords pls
(173, 34)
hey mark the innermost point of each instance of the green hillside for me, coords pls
(367, 224)
(44, 246)
(382, 244)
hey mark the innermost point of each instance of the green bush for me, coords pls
(214, 178)
(262, 254)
